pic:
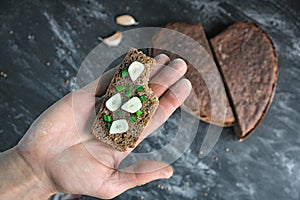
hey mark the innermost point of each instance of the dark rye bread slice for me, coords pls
(247, 60)
(128, 139)
(200, 106)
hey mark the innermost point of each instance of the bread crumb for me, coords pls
(3, 74)
(219, 166)
(30, 37)
(220, 47)
(224, 56)
(159, 186)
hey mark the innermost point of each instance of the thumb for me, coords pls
(139, 174)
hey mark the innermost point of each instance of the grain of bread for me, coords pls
(136, 121)
(199, 104)
(247, 60)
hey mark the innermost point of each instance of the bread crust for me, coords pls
(199, 105)
(247, 59)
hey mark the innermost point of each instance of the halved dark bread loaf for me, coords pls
(128, 104)
(247, 60)
(200, 106)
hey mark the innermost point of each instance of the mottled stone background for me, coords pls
(43, 43)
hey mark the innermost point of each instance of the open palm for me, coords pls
(67, 158)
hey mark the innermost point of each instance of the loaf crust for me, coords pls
(247, 59)
(200, 106)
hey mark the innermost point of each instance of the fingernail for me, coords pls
(187, 83)
(168, 172)
(160, 56)
(178, 60)
(179, 65)
(181, 90)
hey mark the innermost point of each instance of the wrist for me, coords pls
(19, 179)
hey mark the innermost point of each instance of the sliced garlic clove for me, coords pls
(132, 105)
(126, 20)
(113, 40)
(119, 126)
(135, 70)
(114, 102)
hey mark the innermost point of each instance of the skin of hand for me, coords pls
(53, 157)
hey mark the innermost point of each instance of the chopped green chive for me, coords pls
(129, 91)
(128, 94)
(108, 125)
(120, 113)
(143, 98)
(140, 88)
(120, 88)
(131, 87)
(138, 113)
(132, 118)
(107, 118)
(124, 73)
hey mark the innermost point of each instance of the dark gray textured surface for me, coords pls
(42, 44)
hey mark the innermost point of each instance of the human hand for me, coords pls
(64, 157)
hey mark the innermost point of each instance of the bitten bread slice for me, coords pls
(200, 106)
(128, 104)
(247, 60)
